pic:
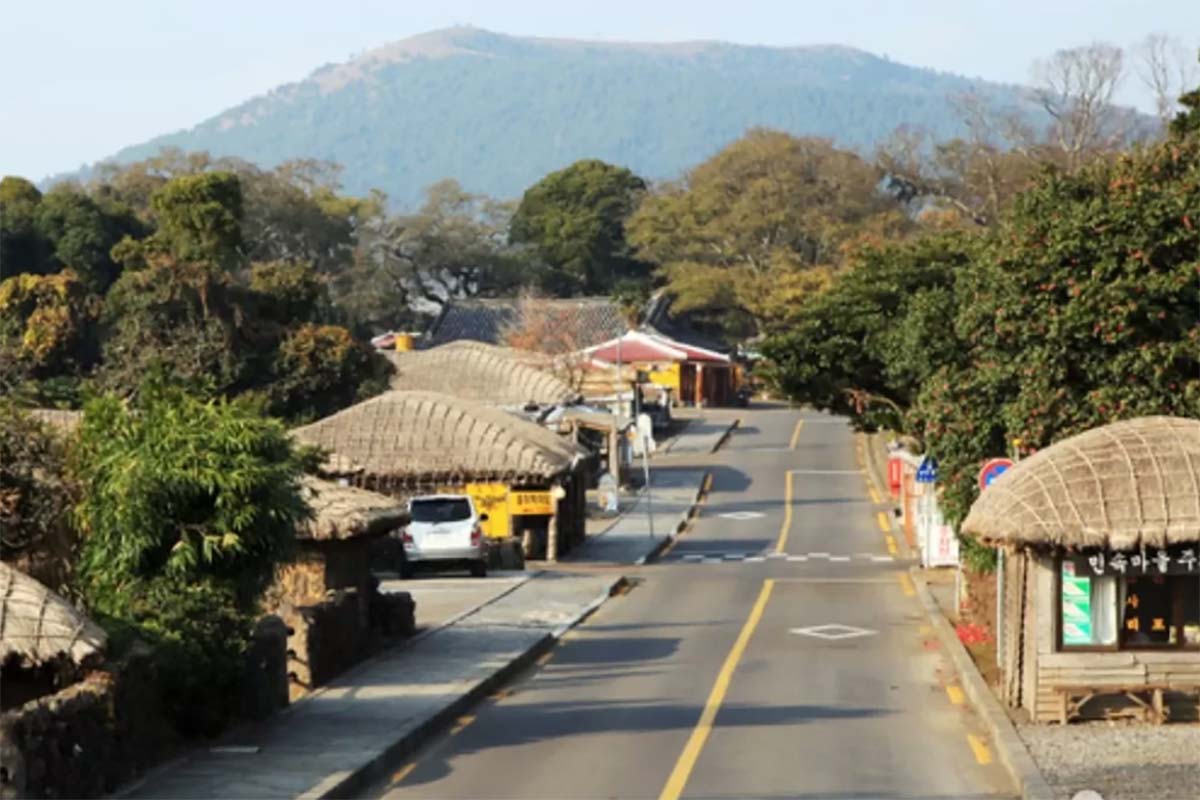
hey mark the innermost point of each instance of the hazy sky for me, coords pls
(82, 79)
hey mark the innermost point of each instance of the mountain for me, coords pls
(498, 112)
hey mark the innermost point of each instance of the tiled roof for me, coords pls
(596, 319)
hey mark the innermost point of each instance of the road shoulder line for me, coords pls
(1013, 753)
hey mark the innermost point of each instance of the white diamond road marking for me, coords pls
(833, 631)
(742, 515)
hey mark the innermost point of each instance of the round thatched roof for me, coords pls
(344, 512)
(413, 437)
(1119, 486)
(38, 626)
(480, 372)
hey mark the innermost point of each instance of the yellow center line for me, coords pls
(787, 512)
(695, 743)
(874, 495)
(979, 747)
(955, 693)
(463, 722)
(891, 545)
(796, 434)
(402, 773)
(906, 584)
(885, 524)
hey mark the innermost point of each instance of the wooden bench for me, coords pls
(1147, 700)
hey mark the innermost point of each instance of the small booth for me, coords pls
(1099, 573)
(530, 481)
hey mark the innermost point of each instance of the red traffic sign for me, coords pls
(992, 469)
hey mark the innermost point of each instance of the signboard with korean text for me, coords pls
(527, 502)
(1179, 560)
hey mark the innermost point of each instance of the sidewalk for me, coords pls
(346, 734)
(705, 432)
(627, 539)
(350, 732)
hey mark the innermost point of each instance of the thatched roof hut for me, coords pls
(1121, 486)
(412, 438)
(63, 421)
(481, 372)
(345, 512)
(38, 627)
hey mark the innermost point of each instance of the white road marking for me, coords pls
(818, 555)
(797, 558)
(839, 558)
(756, 559)
(742, 515)
(833, 631)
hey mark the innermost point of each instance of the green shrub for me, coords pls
(199, 638)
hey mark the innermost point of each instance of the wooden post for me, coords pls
(552, 528)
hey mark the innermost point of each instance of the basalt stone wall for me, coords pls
(85, 740)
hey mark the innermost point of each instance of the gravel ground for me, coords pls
(1121, 762)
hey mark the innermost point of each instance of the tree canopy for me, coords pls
(759, 225)
(575, 218)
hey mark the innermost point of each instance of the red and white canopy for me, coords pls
(648, 347)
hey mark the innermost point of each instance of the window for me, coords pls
(1140, 607)
(442, 509)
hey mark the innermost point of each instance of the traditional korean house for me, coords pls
(46, 644)
(530, 481)
(483, 373)
(327, 595)
(1099, 537)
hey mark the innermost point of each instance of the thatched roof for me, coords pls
(344, 512)
(481, 372)
(417, 437)
(38, 626)
(1119, 487)
(62, 420)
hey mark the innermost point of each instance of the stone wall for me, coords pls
(85, 740)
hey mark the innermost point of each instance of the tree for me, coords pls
(865, 345)
(1165, 67)
(81, 234)
(35, 498)
(320, 369)
(555, 334)
(187, 506)
(22, 247)
(1075, 87)
(1081, 310)
(176, 486)
(190, 317)
(575, 218)
(1187, 121)
(47, 333)
(200, 218)
(763, 209)
(453, 247)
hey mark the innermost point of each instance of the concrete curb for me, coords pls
(348, 783)
(877, 476)
(725, 436)
(684, 518)
(1013, 752)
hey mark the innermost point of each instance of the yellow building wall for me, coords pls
(490, 499)
(667, 378)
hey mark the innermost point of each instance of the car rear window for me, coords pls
(443, 510)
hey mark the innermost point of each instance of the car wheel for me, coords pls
(479, 569)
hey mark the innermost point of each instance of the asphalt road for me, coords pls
(777, 652)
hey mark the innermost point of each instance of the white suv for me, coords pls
(444, 532)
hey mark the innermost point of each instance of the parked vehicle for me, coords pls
(444, 533)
